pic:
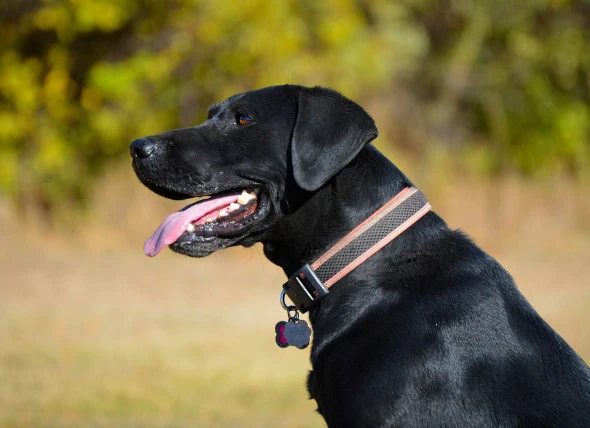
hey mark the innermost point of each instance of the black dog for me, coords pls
(430, 331)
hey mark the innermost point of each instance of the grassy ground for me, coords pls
(99, 335)
(113, 339)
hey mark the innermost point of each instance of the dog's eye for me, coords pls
(243, 119)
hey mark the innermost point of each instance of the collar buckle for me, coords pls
(305, 289)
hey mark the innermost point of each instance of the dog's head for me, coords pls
(252, 149)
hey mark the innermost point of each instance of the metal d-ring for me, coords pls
(283, 304)
(290, 309)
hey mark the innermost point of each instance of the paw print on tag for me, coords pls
(280, 330)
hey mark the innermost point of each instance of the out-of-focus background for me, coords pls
(484, 104)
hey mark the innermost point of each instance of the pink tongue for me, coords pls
(175, 224)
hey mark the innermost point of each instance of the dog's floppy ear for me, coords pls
(330, 131)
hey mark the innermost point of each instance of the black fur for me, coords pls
(429, 332)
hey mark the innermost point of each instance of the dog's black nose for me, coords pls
(142, 148)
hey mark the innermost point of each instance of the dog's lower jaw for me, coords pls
(203, 239)
(202, 250)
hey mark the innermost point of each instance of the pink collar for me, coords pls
(311, 283)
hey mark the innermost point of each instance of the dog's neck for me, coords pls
(313, 222)
(316, 221)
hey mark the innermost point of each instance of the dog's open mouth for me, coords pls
(226, 214)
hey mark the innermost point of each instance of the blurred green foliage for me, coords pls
(79, 79)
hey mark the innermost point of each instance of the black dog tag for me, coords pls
(293, 333)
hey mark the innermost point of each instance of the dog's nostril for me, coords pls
(142, 148)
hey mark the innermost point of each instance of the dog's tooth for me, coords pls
(190, 227)
(223, 213)
(233, 206)
(245, 197)
(256, 190)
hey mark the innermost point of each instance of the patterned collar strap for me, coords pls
(311, 283)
